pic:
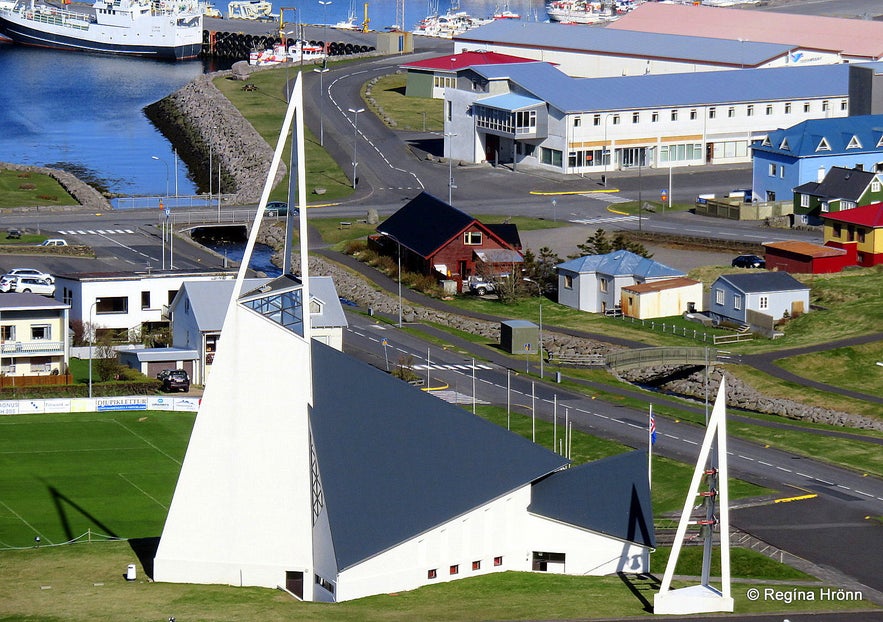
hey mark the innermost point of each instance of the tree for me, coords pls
(106, 363)
(598, 244)
(541, 269)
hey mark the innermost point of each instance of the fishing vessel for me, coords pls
(454, 22)
(159, 29)
(350, 22)
(588, 11)
(279, 54)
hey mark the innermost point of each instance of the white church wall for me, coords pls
(241, 510)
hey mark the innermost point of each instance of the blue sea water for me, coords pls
(86, 111)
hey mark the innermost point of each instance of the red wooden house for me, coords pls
(439, 240)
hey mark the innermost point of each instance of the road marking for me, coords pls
(598, 221)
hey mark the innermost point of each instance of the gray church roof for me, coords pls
(610, 496)
(575, 95)
(395, 462)
(651, 45)
(839, 183)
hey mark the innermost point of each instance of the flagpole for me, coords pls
(650, 431)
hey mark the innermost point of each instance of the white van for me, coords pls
(54, 242)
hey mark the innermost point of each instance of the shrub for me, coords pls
(27, 187)
(352, 247)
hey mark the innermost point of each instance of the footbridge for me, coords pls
(653, 357)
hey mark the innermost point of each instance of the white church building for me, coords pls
(315, 473)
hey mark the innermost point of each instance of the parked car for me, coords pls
(31, 272)
(480, 286)
(13, 234)
(280, 208)
(27, 285)
(749, 261)
(54, 242)
(174, 380)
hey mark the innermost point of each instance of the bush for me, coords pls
(27, 187)
(352, 247)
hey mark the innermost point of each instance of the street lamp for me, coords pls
(355, 139)
(91, 341)
(167, 172)
(322, 73)
(451, 186)
(540, 333)
(399, 246)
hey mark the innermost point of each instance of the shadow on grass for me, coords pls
(145, 549)
(642, 586)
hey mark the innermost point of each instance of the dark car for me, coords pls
(174, 380)
(13, 234)
(749, 261)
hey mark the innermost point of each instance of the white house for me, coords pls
(34, 339)
(315, 472)
(197, 316)
(757, 299)
(121, 302)
(594, 283)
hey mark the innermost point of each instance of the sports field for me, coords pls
(63, 476)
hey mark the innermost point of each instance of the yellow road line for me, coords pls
(563, 192)
(797, 498)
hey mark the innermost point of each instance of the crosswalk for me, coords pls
(455, 397)
(95, 231)
(603, 220)
(439, 367)
(606, 198)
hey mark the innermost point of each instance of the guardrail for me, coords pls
(647, 357)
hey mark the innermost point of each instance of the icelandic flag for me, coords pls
(652, 428)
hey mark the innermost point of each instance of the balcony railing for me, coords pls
(32, 347)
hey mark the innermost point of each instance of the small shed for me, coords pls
(807, 258)
(519, 336)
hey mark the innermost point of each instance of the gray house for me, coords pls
(757, 300)
(594, 283)
(200, 307)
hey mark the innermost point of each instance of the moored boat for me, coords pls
(279, 54)
(159, 29)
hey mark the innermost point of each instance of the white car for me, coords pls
(27, 285)
(54, 242)
(31, 272)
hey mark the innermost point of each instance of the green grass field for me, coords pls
(62, 475)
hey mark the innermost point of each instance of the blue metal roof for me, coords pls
(675, 48)
(511, 101)
(762, 282)
(574, 95)
(805, 138)
(620, 263)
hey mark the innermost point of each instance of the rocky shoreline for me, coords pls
(87, 196)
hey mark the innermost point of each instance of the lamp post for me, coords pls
(399, 253)
(322, 71)
(167, 172)
(355, 112)
(540, 333)
(91, 341)
(451, 186)
(606, 153)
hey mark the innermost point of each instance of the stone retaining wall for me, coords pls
(198, 115)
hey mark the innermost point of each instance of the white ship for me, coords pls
(588, 11)
(279, 54)
(160, 29)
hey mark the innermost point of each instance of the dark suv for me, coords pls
(174, 380)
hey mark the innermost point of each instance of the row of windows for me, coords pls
(713, 112)
(720, 296)
(444, 82)
(454, 569)
(853, 233)
(520, 122)
(38, 332)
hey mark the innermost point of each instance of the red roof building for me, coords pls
(807, 258)
(430, 77)
(859, 227)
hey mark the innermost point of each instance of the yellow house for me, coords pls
(859, 226)
(664, 298)
(34, 337)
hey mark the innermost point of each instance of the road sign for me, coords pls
(664, 195)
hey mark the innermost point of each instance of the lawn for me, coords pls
(26, 189)
(265, 108)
